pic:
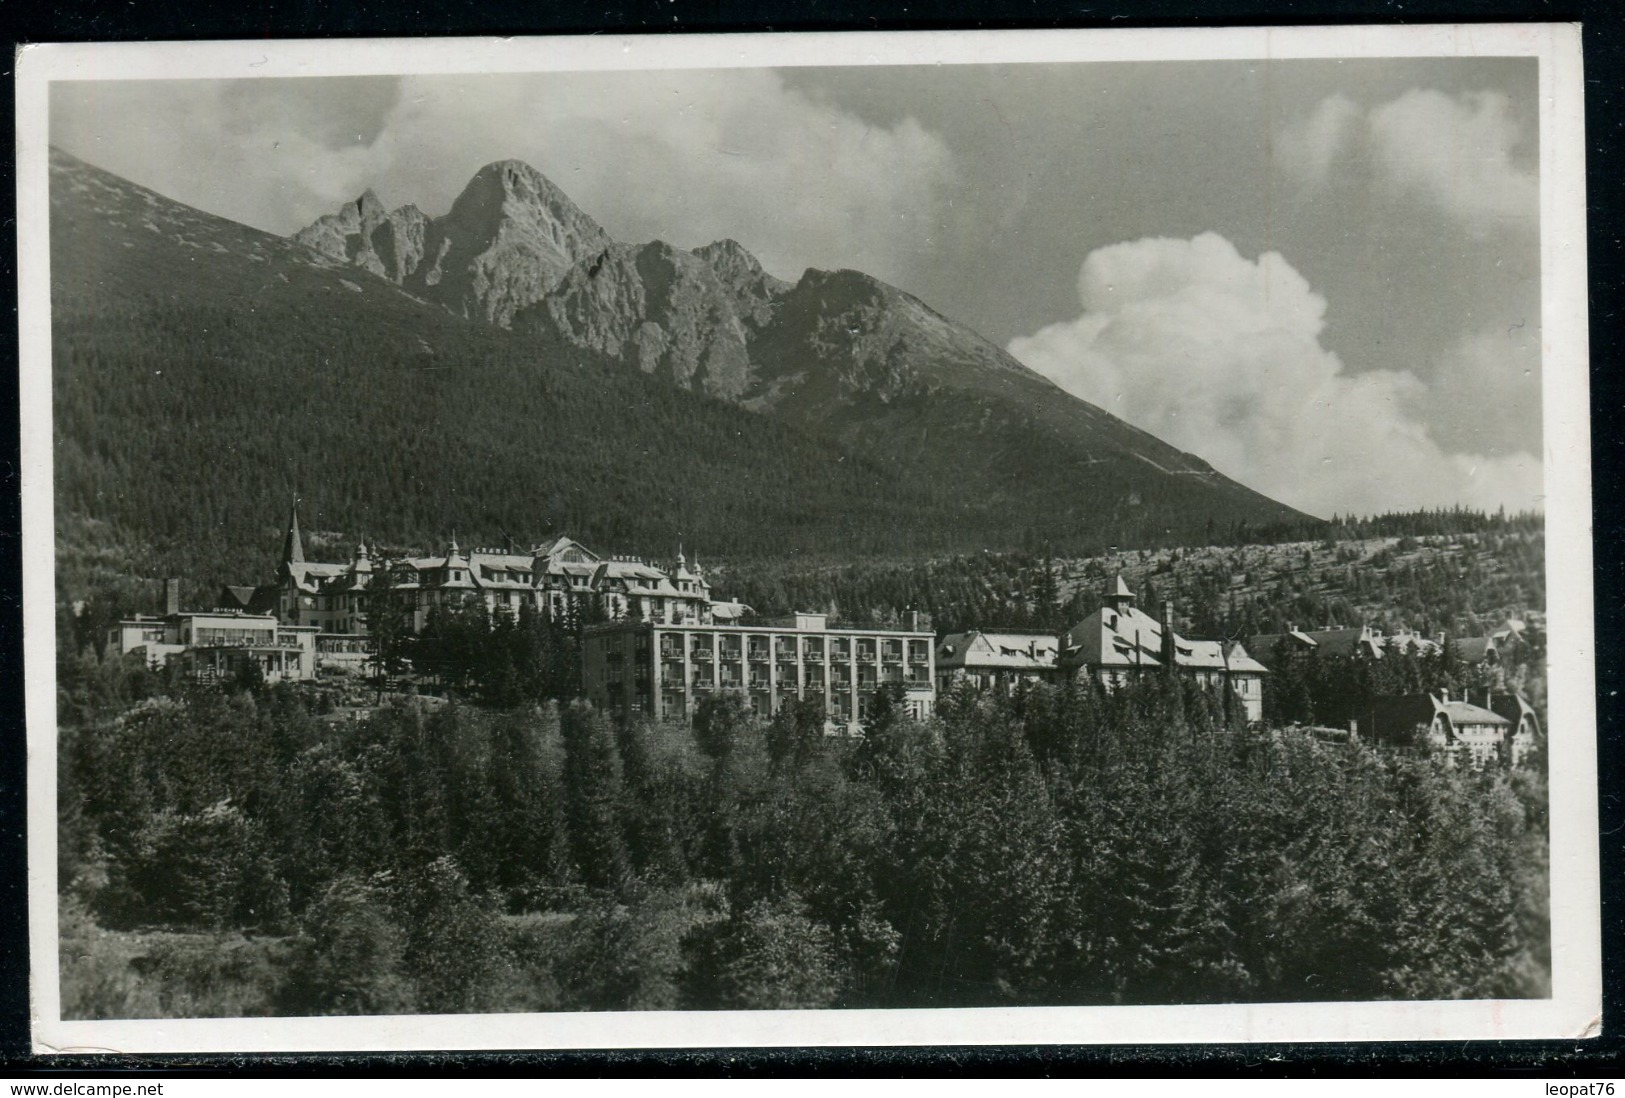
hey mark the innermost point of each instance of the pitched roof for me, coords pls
(1009, 651)
(1343, 642)
(1241, 660)
(1265, 643)
(1114, 638)
(1474, 649)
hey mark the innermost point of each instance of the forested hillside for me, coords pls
(1465, 582)
(236, 852)
(204, 372)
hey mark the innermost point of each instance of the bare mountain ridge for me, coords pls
(839, 350)
(508, 238)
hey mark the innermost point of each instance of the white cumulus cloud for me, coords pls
(1456, 152)
(1220, 355)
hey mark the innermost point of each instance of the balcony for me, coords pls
(784, 651)
(840, 650)
(866, 650)
(813, 652)
(732, 652)
(892, 653)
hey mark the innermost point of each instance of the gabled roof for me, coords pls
(307, 574)
(1006, 651)
(559, 545)
(1474, 649)
(1132, 638)
(1516, 709)
(1114, 638)
(1344, 642)
(1395, 714)
(1241, 660)
(1265, 643)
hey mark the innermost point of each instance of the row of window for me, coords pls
(701, 647)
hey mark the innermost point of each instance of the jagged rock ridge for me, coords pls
(839, 352)
(506, 241)
(389, 244)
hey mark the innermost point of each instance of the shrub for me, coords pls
(348, 957)
(771, 956)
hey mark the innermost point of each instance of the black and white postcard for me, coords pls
(952, 538)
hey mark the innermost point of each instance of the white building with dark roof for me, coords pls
(1001, 661)
(1120, 641)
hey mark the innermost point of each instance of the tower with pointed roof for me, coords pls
(293, 549)
(1118, 596)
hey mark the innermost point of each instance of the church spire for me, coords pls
(293, 550)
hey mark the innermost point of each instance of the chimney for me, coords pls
(1168, 653)
(914, 621)
(172, 596)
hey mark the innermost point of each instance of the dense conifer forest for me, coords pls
(237, 850)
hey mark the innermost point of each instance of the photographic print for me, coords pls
(824, 539)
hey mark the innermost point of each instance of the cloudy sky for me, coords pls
(1322, 276)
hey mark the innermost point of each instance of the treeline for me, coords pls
(1422, 522)
(1063, 847)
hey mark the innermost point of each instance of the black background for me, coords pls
(1604, 45)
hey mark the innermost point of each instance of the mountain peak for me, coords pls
(369, 206)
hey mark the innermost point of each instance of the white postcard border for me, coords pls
(1574, 1009)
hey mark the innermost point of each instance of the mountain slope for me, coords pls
(203, 371)
(843, 354)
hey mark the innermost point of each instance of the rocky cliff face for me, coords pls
(506, 241)
(362, 233)
(688, 316)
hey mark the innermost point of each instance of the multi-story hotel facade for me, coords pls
(557, 578)
(663, 669)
